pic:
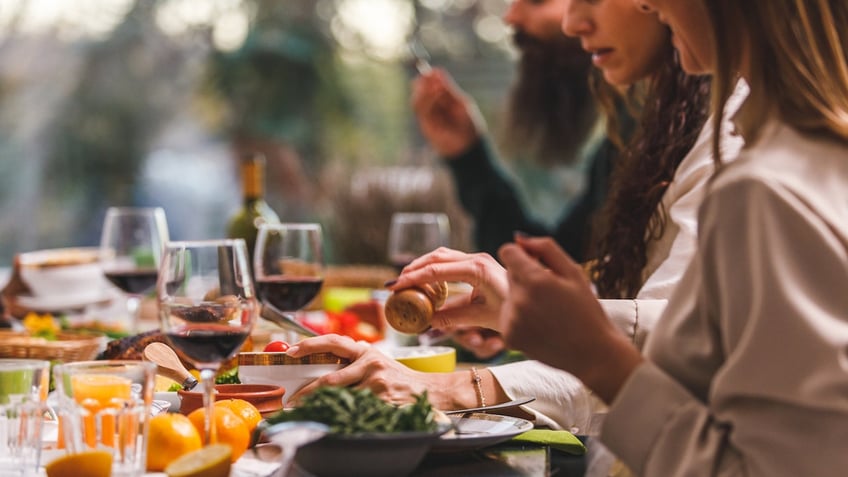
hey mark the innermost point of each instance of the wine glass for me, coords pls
(207, 306)
(411, 235)
(130, 252)
(414, 234)
(289, 266)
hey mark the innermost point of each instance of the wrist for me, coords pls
(447, 391)
(606, 374)
(461, 149)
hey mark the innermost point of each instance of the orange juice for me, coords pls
(104, 406)
(103, 396)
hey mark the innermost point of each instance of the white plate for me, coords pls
(62, 303)
(478, 430)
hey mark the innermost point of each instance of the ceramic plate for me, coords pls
(62, 303)
(481, 430)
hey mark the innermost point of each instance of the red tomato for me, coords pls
(365, 332)
(276, 347)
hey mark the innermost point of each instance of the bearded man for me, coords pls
(551, 117)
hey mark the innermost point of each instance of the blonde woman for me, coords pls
(746, 373)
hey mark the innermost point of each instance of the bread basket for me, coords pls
(67, 347)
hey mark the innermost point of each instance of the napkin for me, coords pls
(560, 440)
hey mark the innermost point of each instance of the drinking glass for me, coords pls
(207, 306)
(414, 234)
(130, 252)
(289, 265)
(104, 407)
(23, 396)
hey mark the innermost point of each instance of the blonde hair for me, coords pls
(798, 62)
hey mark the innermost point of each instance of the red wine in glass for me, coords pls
(400, 261)
(412, 235)
(207, 307)
(288, 293)
(133, 281)
(207, 343)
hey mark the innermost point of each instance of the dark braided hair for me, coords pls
(675, 109)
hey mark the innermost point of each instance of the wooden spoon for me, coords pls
(169, 364)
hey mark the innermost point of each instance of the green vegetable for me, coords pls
(228, 377)
(174, 388)
(349, 411)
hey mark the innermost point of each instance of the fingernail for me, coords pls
(390, 283)
(292, 351)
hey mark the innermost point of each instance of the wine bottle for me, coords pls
(254, 211)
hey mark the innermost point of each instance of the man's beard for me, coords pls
(551, 109)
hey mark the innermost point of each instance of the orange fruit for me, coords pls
(229, 429)
(169, 437)
(210, 461)
(97, 463)
(244, 410)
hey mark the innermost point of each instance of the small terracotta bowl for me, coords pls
(267, 398)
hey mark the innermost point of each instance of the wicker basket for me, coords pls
(68, 347)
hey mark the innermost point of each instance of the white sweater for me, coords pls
(561, 400)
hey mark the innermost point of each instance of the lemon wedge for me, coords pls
(210, 461)
(88, 463)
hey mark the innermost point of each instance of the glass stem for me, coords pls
(133, 309)
(207, 380)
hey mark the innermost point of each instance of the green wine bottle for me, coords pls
(254, 211)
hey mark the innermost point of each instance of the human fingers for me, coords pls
(484, 343)
(465, 315)
(347, 376)
(427, 88)
(354, 373)
(477, 270)
(519, 263)
(341, 346)
(550, 254)
(440, 254)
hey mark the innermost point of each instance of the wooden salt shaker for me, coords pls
(411, 310)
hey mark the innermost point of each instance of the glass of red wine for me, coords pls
(207, 306)
(288, 264)
(412, 234)
(130, 252)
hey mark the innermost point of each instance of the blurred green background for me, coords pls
(148, 102)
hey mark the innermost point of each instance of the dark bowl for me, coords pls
(267, 398)
(367, 455)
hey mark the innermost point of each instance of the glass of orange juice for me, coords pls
(105, 406)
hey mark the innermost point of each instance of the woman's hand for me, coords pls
(552, 315)
(485, 275)
(483, 343)
(448, 118)
(369, 368)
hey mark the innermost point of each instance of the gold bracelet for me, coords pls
(478, 386)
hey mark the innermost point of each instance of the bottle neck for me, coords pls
(253, 180)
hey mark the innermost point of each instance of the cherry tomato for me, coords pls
(276, 347)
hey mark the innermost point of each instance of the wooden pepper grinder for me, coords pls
(411, 310)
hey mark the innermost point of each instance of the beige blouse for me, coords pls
(748, 366)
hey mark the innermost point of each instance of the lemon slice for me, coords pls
(89, 464)
(210, 461)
